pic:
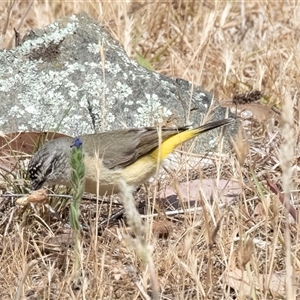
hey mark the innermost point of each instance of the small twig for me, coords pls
(142, 291)
(112, 217)
(22, 195)
(6, 169)
(178, 211)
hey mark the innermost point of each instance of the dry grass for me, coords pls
(227, 48)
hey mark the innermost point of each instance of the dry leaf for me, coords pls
(259, 212)
(190, 191)
(245, 252)
(259, 112)
(241, 282)
(39, 196)
(162, 228)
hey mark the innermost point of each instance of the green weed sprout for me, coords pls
(77, 182)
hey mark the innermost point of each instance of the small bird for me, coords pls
(132, 155)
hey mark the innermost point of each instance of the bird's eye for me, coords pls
(49, 171)
(51, 167)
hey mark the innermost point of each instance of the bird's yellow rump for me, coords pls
(130, 155)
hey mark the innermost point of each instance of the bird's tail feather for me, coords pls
(171, 143)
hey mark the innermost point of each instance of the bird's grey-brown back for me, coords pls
(51, 163)
(120, 148)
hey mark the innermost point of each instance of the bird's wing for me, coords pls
(120, 148)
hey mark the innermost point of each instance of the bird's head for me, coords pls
(51, 163)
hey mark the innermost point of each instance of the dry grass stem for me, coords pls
(287, 156)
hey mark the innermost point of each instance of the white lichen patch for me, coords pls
(132, 75)
(121, 90)
(93, 48)
(31, 109)
(110, 117)
(212, 142)
(75, 67)
(150, 112)
(73, 18)
(111, 68)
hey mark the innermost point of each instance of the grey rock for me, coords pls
(72, 77)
